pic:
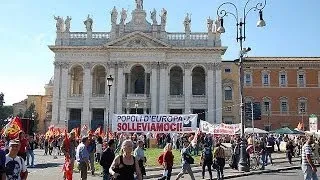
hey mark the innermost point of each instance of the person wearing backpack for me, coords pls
(206, 160)
(220, 157)
(166, 159)
(186, 159)
(15, 166)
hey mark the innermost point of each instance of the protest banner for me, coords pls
(222, 128)
(160, 123)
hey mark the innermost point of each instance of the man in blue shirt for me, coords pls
(91, 149)
(82, 156)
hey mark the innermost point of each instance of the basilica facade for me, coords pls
(154, 71)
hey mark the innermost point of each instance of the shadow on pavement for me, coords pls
(47, 165)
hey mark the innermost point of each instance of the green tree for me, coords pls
(32, 114)
(5, 112)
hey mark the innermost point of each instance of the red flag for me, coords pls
(13, 128)
(98, 131)
(67, 168)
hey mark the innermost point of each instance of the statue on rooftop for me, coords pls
(139, 4)
(59, 23)
(210, 24)
(114, 16)
(154, 16)
(88, 22)
(123, 16)
(187, 23)
(67, 23)
(163, 17)
(216, 24)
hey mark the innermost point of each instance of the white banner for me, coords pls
(159, 123)
(313, 123)
(222, 128)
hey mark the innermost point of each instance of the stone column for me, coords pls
(218, 94)
(187, 88)
(56, 93)
(86, 95)
(163, 88)
(129, 83)
(120, 87)
(64, 93)
(210, 94)
(154, 88)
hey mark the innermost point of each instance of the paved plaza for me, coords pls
(51, 169)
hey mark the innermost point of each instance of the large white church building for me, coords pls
(154, 71)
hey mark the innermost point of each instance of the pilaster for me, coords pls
(154, 89)
(120, 87)
(163, 88)
(218, 93)
(187, 88)
(56, 93)
(86, 94)
(64, 93)
(211, 94)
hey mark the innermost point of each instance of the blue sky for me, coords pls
(27, 27)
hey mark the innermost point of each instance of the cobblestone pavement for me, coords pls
(47, 168)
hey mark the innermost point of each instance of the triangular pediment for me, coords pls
(137, 40)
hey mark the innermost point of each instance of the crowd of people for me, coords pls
(122, 156)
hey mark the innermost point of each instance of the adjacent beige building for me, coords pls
(230, 92)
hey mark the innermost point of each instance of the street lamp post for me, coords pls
(136, 105)
(241, 36)
(109, 83)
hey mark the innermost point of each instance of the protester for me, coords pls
(107, 158)
(219, 156)
(82, 156)
(2, 165)
(270, 149)
(206, 160)
(46, 146)
(167, 162)
(91, 149)
(15, 165)
(68, 147)
(31, 147)
(308, 168)
(23, 145)
(125, 165)
(139, 156)
(185, 158)
(289, 151)
(263, 149)
(98, 149)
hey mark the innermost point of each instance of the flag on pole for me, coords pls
(13, 128)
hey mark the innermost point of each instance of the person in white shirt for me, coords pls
(139, 155)
(98, 149)
(15, 165)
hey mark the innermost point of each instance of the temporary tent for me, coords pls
(286, 130)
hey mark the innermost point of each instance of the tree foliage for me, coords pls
(5, 112)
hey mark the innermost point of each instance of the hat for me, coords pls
(14, 142)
